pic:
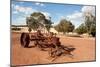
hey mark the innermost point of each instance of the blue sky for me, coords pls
(74, 13)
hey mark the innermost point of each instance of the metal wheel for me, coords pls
(25, 39)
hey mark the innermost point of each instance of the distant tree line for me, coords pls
(16, 29)
(37, 20)
(89, 25)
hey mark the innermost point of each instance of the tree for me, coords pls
(32, 23)
(57, 27)
(64, 26)
(90, 23)
(93, 31)
(37, 20)
(48, 24)
(81, 29)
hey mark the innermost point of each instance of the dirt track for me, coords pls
(85, 51)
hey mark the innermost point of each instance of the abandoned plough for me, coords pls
(52, 42)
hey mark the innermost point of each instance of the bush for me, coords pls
(16, 29)
(81, 29)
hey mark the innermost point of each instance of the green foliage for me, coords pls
(38, 15)
(16, 29)
(93, 31)
(48, 24)
(64, 26)
(90, 23)
(81, 29)
(32, 23)
(37, 20)
(89, 26)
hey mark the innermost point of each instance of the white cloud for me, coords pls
(12, 5)
(88, 9)
(42, 4)
(39, 4)
(22, 19)
(21, 2)
(26, 10)
(62, 17)
(77, 17)
(21, 13)
(15, 12)
(19, 21)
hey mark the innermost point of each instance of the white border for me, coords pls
(5, 33)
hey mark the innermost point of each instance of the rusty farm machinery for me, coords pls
(41, 41)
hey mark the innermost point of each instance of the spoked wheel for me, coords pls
(25, 39)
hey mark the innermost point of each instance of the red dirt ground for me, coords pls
(85, 51)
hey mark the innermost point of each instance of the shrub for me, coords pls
(16, 29)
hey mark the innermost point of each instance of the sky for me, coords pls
(74, 13)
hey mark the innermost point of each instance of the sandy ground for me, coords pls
(85, 51)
